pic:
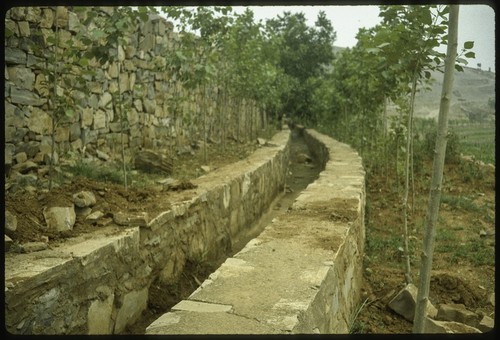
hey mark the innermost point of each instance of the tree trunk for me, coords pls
(54, 110)
(437, 174)
(409, 155)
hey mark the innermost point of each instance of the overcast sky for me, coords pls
(476, 22)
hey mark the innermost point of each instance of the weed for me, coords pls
(445, 235)
(460, 202)
(475, 251)
(98, 173)
(356, 326)
(471, 171)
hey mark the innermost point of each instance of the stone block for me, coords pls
(105, 100)
(22, 77)
(31, 247)
(60, 218)
(99, 315)
(40, 122)
(21, 157)
(62, 16)
(24, 28)
(84, 199)
(14, 56)
(132, 305)
(62, 134)
(136, 220)
(25, 167)
(458, 313)
(25, 97)
(405, 301)
(10, 222)
(33, 14)
(99, 120)
(438, 327)
(75, 132)
(8, 242)
(486, 324)
(47, 18)
(87, 117)
(31, 148)
(73, 22)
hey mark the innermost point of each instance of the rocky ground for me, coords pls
(464, 258)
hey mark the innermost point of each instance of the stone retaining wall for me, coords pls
(302, 274)
(99, 283)
(94, 129)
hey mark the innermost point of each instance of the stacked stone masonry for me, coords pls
(302, 274)
(147, 90)
(100, 284)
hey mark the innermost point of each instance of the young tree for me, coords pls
(304, 53)
(437, 174)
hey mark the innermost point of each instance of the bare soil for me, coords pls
(463, 263)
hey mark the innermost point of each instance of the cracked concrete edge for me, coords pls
(190, 322)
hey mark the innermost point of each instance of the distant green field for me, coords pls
(476, 140)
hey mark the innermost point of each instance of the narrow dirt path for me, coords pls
(303, 169)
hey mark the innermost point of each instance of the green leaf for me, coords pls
(427, 74)
(383, 45)
(459, 68)
(373, 50)
(69, 112)
(83, 62)
(468, 45)
(470, 54)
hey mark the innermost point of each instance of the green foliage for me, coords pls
(303, 54)
(453, 146)
(475, 251)
(98, 173)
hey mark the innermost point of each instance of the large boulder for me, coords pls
(60, 218)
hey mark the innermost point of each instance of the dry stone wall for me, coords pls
(94, 129)
(99, 283)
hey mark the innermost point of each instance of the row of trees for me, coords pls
(218, 56)
(390, 64)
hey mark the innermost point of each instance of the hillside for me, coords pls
(473, 91)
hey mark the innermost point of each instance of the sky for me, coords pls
(476, 23)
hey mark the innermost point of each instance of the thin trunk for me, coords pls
(203, 102)
(238, 112)
(122, 121)
(437, 174)
(223, 122)
(409, 155)
(386, 145)
(251, 122)
(54, 110)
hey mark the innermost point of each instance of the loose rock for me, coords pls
(435, 326)
(60, 218)
(10, 222)
(458, 313)
(124, 219)
(93, 217)
(7, 242)
(486, 324)
(405, 301)
(31, 247)
(84, 199)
